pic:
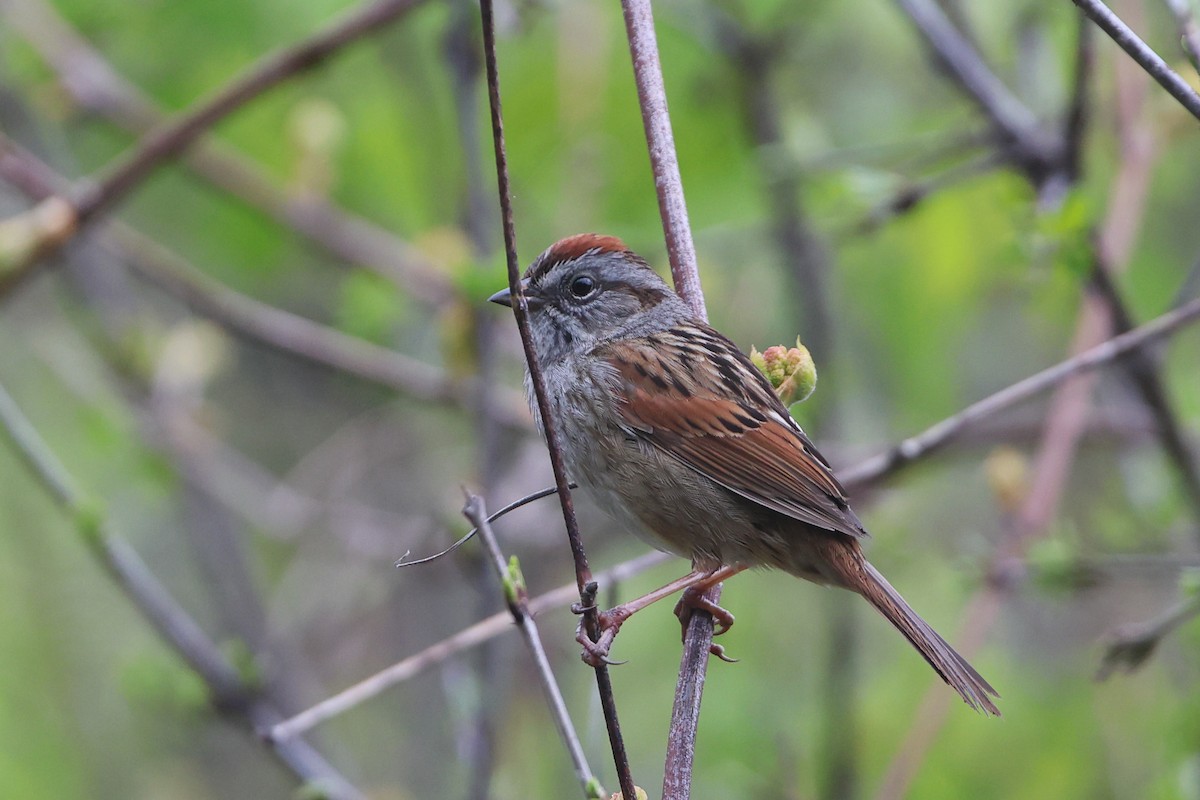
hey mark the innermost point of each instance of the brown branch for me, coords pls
(517, 599)
(229, 694)
(92, 196)
(94, 83)
(583, 576)
(472, 636)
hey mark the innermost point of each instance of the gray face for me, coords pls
(577, 304)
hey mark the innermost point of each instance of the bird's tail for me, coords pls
(953, 668)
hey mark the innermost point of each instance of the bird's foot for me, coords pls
(595, 652)
(693, 599)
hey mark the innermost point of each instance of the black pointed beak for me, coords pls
(504, 297)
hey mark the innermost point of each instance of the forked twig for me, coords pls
(517, 599)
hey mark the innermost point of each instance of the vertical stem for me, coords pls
(583, 573)
(652, 97)
(693, 665)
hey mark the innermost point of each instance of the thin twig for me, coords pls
(1130, 646)
(94, 83)
(1034, 150)
(583, 576)
(1140, 52)
(229, 694)
(942, 433)
(435, 654)
(517, 599)
(92, 196)
(459, 542)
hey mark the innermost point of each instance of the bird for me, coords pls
(681, 439)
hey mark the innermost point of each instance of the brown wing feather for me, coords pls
(720, 417)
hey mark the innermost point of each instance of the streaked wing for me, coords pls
(691, 393)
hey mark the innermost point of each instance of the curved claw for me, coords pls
(596, 653)
(691, 601)
(719, 651)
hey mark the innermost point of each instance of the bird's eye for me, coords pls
(583, 286)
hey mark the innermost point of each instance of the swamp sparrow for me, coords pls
(677, 435)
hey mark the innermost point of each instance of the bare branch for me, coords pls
(1035, 151)
(1140, 52)
(944, 432)
(95, 84)
(517, 600)
(433, 655)
(1130, 646)
(229, 694)
(652, 97)
(91, 197)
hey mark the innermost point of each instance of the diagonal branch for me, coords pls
(942, 433)
(95, 84)
(229, 694)
(93, 196)
(472, 636)
(1034, 150)
(1141, 52)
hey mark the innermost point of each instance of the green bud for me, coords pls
(514, 582)
(791, 371)
(594, 790)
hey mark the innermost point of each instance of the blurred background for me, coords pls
(842, 186)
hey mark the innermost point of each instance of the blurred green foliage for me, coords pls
(970, 289)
